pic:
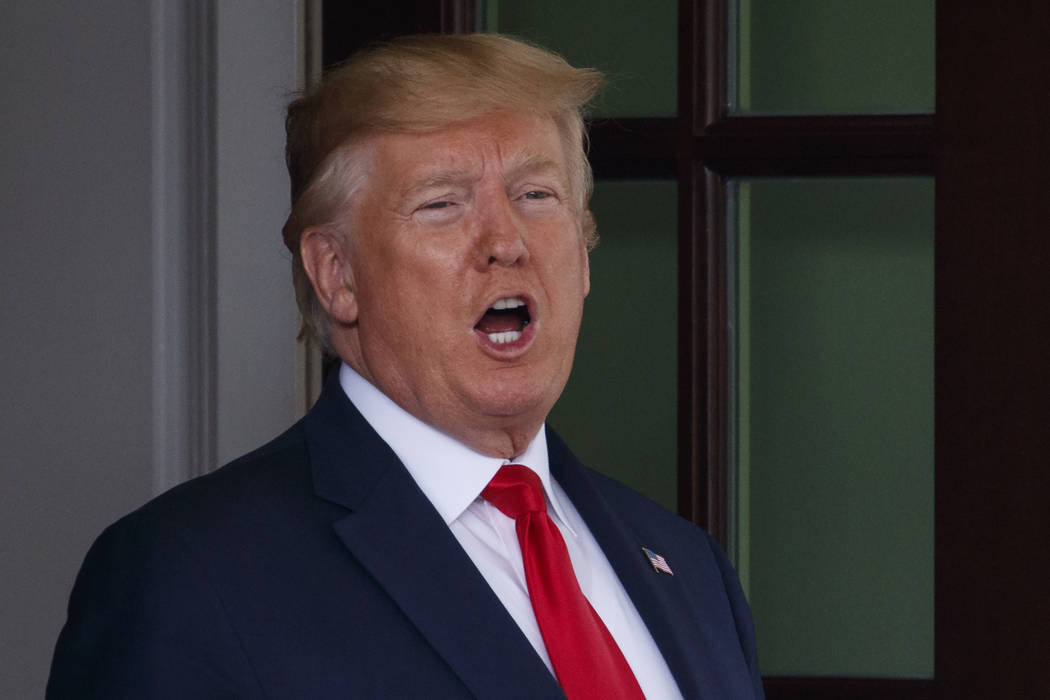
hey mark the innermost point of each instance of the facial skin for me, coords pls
(445, 225)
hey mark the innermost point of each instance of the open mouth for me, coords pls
(505, 320)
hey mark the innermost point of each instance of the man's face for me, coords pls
(469, 273)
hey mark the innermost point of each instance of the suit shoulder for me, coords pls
(654, 523)
(637, 506)
(218, 510)
(278, 464)
(148, 603)
(200, 526)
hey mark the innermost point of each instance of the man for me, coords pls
(420, 533)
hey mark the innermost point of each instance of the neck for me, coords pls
(505, 444)
(505, 437)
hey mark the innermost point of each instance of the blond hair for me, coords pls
(417, 84)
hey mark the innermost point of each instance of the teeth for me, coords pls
(508, 303)
(505, 337)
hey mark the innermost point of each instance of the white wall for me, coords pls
(83, 394)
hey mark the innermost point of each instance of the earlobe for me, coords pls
(324, 258)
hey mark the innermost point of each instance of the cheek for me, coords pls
(574, 268)
(391, 271)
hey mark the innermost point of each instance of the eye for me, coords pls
(439, 212)
(537, 199)
(543, 198)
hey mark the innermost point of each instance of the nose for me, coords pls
(501, 236)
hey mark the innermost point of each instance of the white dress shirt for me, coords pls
(452, 476)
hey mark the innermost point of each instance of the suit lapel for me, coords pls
(671, 607)
(398, 536)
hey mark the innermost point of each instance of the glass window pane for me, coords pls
(834, 422)
(618, 412)
(833, 56)
(634, 43)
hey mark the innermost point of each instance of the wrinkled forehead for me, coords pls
(508, 145)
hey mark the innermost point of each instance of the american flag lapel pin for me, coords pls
(658, 562)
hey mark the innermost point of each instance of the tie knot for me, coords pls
(515, 490)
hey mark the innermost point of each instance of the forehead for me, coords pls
(503, 143)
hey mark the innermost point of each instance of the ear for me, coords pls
(588, 241)
(323, 251)
(586, 271)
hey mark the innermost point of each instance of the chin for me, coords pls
(522, 393)
(525, 403)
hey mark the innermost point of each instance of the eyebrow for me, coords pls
(465, 176)
(459, 176)
(535, 165)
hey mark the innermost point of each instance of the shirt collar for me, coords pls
(431, 456)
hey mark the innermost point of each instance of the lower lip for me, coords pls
(507, 350)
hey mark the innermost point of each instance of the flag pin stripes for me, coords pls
(658, 562)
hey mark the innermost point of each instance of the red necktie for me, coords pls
(586, 660)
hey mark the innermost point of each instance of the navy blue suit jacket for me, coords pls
(315, 568)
